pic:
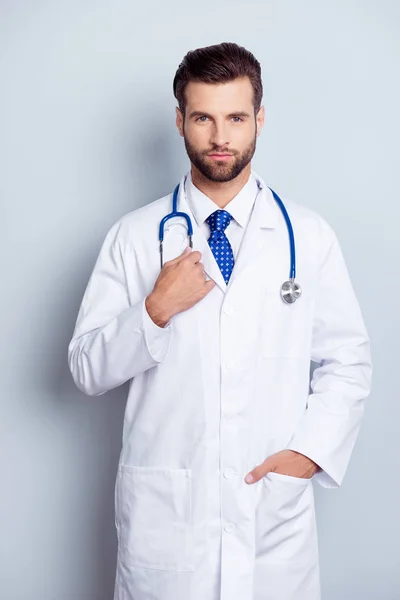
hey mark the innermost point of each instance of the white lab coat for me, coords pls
(222, 387)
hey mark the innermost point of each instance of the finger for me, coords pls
(209, 285)
(261, 470)
(193, 256)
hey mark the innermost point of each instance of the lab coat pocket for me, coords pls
(287, 328)
(300, 481)
(286, 527)
(153, 516)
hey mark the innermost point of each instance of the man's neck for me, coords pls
(220, 193)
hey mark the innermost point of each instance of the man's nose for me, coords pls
(219, 136)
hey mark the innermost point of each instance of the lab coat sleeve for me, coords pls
(114, 338)
(330, 424)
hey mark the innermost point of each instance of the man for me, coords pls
(222, 438)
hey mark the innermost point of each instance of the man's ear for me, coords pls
(179, 120)
(260, 119)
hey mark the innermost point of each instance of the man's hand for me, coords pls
(286, 462)
(179, 286)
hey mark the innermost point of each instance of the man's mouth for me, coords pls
(219, 156)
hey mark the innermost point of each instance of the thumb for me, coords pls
(259, 472)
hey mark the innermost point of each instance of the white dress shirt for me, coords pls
(239, 207)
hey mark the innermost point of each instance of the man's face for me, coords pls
(220, 128)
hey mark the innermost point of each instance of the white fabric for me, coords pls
(239, 207)
(222, 387)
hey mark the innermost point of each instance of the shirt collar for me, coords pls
(239, 207)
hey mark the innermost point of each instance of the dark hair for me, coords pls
(218, 64)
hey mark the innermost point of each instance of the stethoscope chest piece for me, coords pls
(290, 291)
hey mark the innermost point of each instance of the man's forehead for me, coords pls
(235, 95)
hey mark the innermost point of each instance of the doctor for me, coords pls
(223, 436)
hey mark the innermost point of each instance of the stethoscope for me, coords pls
(290, 290)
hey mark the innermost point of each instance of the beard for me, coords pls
(220, 172)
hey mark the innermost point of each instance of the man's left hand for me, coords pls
(286, 462)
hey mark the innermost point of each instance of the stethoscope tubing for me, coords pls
(295, 292)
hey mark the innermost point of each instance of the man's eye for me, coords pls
(202, 118)
(237, 119)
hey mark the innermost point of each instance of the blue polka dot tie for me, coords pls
(219, 243)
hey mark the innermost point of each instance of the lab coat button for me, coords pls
(228, 473)
(228, 365)
(229, 310)
(230, 417)
(229, 527)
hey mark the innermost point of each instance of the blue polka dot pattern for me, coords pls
(219, 243)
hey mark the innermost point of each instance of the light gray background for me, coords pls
(87, 134)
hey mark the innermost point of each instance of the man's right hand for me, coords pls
(179, 286)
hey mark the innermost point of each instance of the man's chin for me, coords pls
(219, 173)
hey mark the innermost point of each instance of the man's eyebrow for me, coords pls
(199, 113)
(240, 113)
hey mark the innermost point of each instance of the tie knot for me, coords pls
(219, 220)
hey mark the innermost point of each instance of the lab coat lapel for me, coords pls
(210, 264)
(259, 231)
